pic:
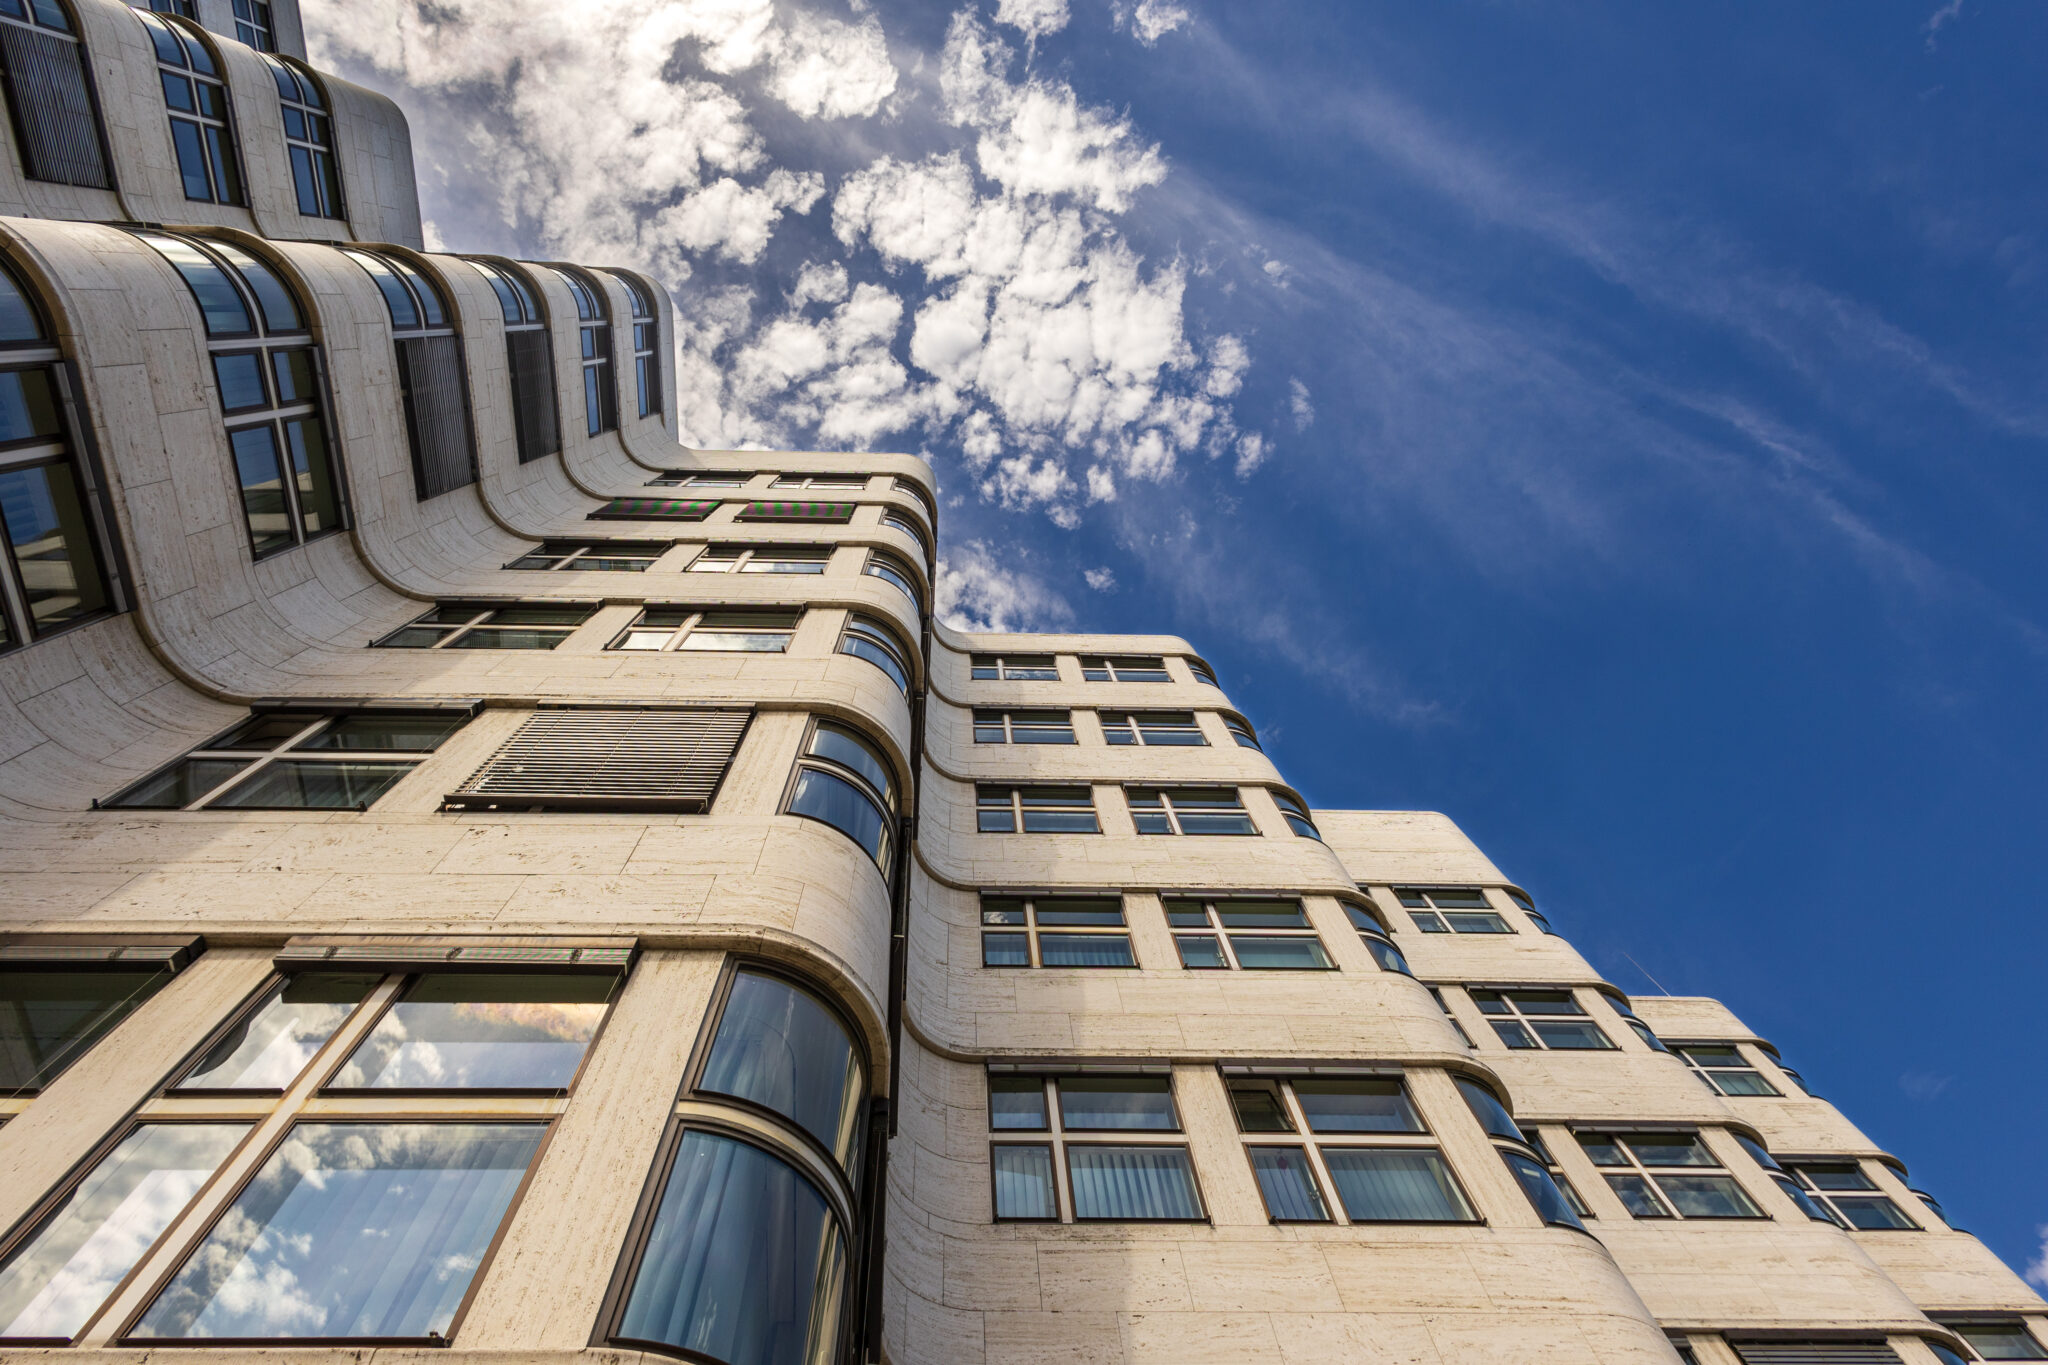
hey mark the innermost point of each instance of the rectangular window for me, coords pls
(770, 558)
(1451, 910)
(693, 629)
(1724, 1069)
(481, 1031)
(1255, 935)
(821, 481)
(1152, 727)
(1023, 727)
(603, 759)
(1054, 931)
(1842, 1188)
(56, 121)
(654, 509)
(702, 478)
(1397, 1185)
(828, 512)
(1100, 1147)
(293, 760)
(595, 556)
(1014, 668)
(1035, 810)
(57, 1002)
(1541, 1019)
(1999, 1340)
(1666, 1174)
(253, 26)
(485, 625)
(1124, 668)
(1189, 810)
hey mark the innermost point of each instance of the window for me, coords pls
(914, 489)
(269, 377)
(1666, 1174)
(202, 126)
(2008, 1340)
(1791, 1188)
(1125, 668)
(55, 544)
(702, 478)
(1152, 727)
(653, 509)
(1438, 996)
(779, 1045)
(1135, 1177)
(897, 574)
(646, 344)
(694, 628)
(636, 758)
(1619, 1004)
(1724, 1069)
(1189, 810)
(481, 1031)
(1528, 907)
(855, 481)
(830, 513)
(1853, 1198)
(1023, 727)
(1357, 1118)
(483, 625)
(187, 9)
(1451, 910)
(1203, 673)
(56, 118)
(1054, 931)
(308, 135)
(57, 1001)
(1377, 942)
(1559, 1203)
(529, 358)
(297, 759)
(1252, 935)
(844, 781)
(433, 378)
(900, 521)
(1540, 1019)
(867, 638)
(266, 1047)
(609, 556)
(770, 558)
(1240, 730)
(1035, 810)
(1014, 668)
(600, 390)
(104, 1223)
(253, 26)
(1295, 814)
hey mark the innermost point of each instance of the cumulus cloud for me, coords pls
(977, 593)
(1102, 580)
(1298, 405)
(1033, 18)
(2037, 1269)
(1151, 20)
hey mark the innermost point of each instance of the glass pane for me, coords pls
(1396, 1185)
(1847, 1176)
(1458, 898)
(1714, 1056)
(995, 820)
(1637, 1197)
(351, 1230)
(744, 1263)
(1060, 822)
(304, 183)
(734, 641)
(1493, 1116)
(293, 371)
(1016, 1102)
(266, 731)
(1002, 912)
(482, 1031)
(396, 299)
(1543, 1192)
(220, 147)
(179, 785)
(61, 1275)
(290, 785)
(53, 545)
(1708, 1196)
(1669, 1149)
(414, 637)
(1050, 732)
(1132, 1182)
(1005, 950)
(836, 801)
(191, 148)
(1428, 923)
(1743, 1083)
(48, 1018)
(17, 318)
(1186, 914)
(1545, 1002)
(1091, 1102)
(487, 638)
(1024, 1185)
(1080, 911)
(1261, 915)
(412, 732)
(271, 1046)
(1513, 1034)
(1085, 950)
(1602, 1149)
(219, 304)
(319, 505)
(262, 483)
(1871, 1212)
(1650, 1040)
(2001, 1341)
(861, 647)
(1469, 923)
(849, 750)
(1386, 954)
(1259, 1108)
(1808, 1205)
(1757, 1152)
(1199, 950)
(1298, 954)
(280, 311)
(780, 1047)
(241, 380)
(1361, 1106)
(1198, 822)
(1571, 1037)
(1287, 1185)
(28, 408)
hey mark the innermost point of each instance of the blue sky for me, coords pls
(1619, 427)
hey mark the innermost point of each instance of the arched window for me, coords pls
(269, 376)
(646, 344)
(202, 124)
(600, 388)
(433, 377)
(253, 26)
(56, 118)
(530, 356)
(867, 638)
(904, 522)
(893, 571)
(308, 138)
(54, 533)
(843, 780)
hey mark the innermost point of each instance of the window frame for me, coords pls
(1029, 929)
(744, 553)
(692, 620)
(1167, 808)
(570, 554)
(1213, 907)
(1017, 807)
(220, 153)
(1006, 720)
(1060, 1139)
(1364, 914)
(1138, 728)
(1707, 1075)
(1422, 907)
(898, 519)
(1111, 668)
(481, 614)
(1515, 1016)
(888, 804)
(595, 352)
(873, 631)
(1800, 1170)
(1617, 1135)
(998, 667)
(646, 324)
(315, 115)
(517, 291)
(894, 570)
(1241, 730)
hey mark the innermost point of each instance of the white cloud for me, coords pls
(1033, 18)
(976, 593)
(1101, 484)
(1102, 580)
(1151, 20)
(1303, 411)
(1252, 450)
(1948, 13)
(2037, 1269)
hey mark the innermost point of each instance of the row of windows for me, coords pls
(764, 510)
(1163, 729)
(1146, 668)
(730, 557)
(823, 482)
(357, 1226)
(1154, 810)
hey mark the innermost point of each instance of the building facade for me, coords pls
(478, 876)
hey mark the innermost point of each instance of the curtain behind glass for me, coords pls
(779, 1046)
(1132, 1182)
(1024, 1187)
(1395, 1185)
(1288, 1185)
(744, 1263)
(351, 1230)
(1085, 950)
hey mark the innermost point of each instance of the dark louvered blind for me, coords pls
(655, 509)
(432, 377)
(609, 759)
(797, 511)
(533, 394)
(1815, 1353)
(53, 113)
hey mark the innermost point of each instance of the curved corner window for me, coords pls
(1376, 939)
(1548, 1200)
(1493, 1116)
(202, 124)
(867, 638)
(433, 376)
(530, 357)
(904, 522)
(1205, 674)
(594, 330)
(56, 120)
(844, 781)
(646, 344)
(893, 571)
(781, 1047)
(308, 135)
(745, 1262)
(269, 376)
(1296, 815)
(1240, 730)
